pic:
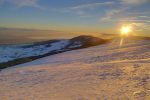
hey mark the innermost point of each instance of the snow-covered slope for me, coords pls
(105, 72)
(8, 53)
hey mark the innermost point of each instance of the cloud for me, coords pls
(134, 2)
(84, 9)
(91, 5)
(144, 16)
(109, 15)
(123, 6)
(140, 26)
(137, 22)
(112, 13)
(23, 3)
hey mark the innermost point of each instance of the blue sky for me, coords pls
(76, 15)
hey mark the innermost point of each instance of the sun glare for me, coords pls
(125, 30)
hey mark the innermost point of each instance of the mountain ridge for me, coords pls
(28, 52)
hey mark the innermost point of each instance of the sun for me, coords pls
(125, 30)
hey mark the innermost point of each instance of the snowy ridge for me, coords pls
(38, 50)
(8, 53)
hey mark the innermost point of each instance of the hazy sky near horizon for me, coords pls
(105, 16)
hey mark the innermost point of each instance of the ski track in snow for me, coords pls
(105, 72)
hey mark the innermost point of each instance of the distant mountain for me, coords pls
(15, 54)
(85, 41)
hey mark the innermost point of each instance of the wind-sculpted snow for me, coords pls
(105, 72)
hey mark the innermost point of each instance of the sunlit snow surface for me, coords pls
(105, 72)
